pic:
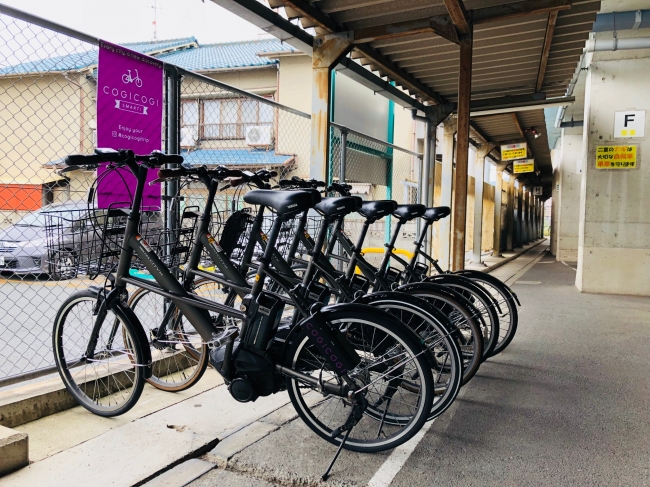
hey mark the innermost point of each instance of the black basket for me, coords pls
(88, 241)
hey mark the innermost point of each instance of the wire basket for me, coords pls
(88, 241)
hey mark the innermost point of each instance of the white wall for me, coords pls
(614, 238)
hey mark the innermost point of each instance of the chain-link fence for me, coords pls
(48, 96)
(376, 170)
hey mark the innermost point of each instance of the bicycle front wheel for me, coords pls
(394, 376)
(106, 379)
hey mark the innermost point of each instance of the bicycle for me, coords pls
(356, 356)
(233, 285)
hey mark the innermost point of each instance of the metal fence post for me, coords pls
(172, 146)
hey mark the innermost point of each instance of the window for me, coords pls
(227, 118)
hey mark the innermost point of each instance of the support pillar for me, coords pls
(428, 175)
(479, 180)
(460, 191)
(510, 215)
(328, 50)
(498, 193)
(520, 226)
(446, 185)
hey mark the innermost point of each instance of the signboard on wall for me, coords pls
(538, 191)
(129, 116)
(629, 124)
(512, 152)
(520, 167)
(616, 157)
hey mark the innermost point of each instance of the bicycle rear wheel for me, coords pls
(394, 376)
(108, 382)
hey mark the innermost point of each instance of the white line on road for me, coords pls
(394, 463)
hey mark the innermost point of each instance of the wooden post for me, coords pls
(462, 153)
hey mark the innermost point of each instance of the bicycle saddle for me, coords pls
(409, 212)
(283, 202)
(373, 210)
(339, 206)
(436, 213)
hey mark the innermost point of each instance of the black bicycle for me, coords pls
(372, 371)
(228, 283)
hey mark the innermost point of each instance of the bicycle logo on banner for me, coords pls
(127, 78)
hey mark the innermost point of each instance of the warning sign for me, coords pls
(616, 156)
(520, 167)
(511, 152)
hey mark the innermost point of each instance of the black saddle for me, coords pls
(373, 210)
(283, 202)
(436, 213)
(409, 212)
(339, 206)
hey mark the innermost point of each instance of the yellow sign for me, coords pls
(511, 152)
(616, 157)
(527, 165)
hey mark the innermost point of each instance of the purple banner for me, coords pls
(129, 116)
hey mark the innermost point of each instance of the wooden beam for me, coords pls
(546, 50)
(462, 153)
(400, 75)
(518, 9)
(458, 15)
(318, 17)
(391, 69)
(440, 25)
(515, 119)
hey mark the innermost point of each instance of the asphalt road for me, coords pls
(566, 404)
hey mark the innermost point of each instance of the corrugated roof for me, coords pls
(237, 157)
(226, 55)
(189, 55)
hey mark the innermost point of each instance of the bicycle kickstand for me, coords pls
(355, 415)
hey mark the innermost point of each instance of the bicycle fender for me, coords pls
(127, 314)
(490, 278)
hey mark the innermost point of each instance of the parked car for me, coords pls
(56, 239)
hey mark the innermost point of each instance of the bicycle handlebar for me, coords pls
(342, 189)
(301, 183)
(121, 157)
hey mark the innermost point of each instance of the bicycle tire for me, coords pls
(462, 315)
(480, 299)
(298, 356)
(97, 393)
(434, 329)
(505, 299)
(182, 361)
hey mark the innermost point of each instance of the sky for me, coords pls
(122, 21)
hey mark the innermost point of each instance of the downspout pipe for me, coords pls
(428, 160)
(616, 44)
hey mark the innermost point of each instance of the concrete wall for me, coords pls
(614, 239)
(568, 196)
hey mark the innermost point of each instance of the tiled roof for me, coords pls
(236, 157)
(226, 55)
(189, 56)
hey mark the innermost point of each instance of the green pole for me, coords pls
(389, 169)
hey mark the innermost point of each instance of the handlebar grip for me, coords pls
(84, 160)
(286, 182)
(273, 174)
(171, 173)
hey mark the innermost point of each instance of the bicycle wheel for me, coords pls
(508, 315)
(469, 329)
(394, 376)
(109, 382)
(480, 300)
(179, 357)
(434, 330)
